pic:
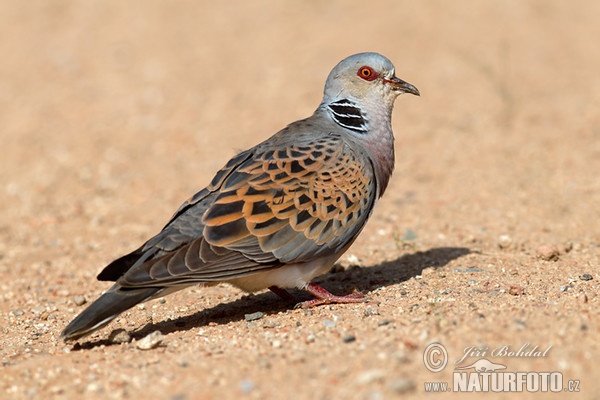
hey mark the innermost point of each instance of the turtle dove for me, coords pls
(279, 214)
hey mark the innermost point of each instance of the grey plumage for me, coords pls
(278, 214)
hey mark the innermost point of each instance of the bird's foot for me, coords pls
(325, 297)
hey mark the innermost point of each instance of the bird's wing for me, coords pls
(283, 201)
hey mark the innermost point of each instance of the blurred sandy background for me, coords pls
(112, 113)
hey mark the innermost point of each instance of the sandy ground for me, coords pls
(112, 113)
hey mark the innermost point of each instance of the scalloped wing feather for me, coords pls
(287, 200)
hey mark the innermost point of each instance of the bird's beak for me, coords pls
(401, 86)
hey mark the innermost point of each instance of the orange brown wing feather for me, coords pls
(262, 210)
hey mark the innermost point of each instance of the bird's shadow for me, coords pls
(363, 279)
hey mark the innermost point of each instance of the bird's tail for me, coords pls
(105, 309)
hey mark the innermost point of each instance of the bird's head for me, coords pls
(366, 76)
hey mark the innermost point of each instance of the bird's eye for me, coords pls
(367, 73)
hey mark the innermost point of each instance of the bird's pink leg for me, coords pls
(325, 297)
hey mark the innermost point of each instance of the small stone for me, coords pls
(162, 300)
(586, 277)
(401, 356)
(254, 316)
(328, 323)
(352, 259)
(246, 386)
(504, 241)
(270, 323)
(93, 387)
(151, 341)
(310, 338)
(373, 395)
(370, 376)
(402, 385)
(56, 390)
(370, 310)
(516, 290)
(520, 325)
(548, 252)
(409, 235)
(38, 310)
(17, 312)
(567, 247)
(79, 299)
(584, 298)
(564, 288)
(119, 336)
(349, 338)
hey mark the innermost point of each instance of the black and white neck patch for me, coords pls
(349, 115)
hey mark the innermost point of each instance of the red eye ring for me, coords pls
(367, 73)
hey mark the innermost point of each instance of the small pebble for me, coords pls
(409, 235)
(504, 241)
(370, 310)
(586, 277)
(119, 336)
(565, 288)
(373, 395)
(548, 252)
(270, 323)
(352, 259)
(79, 299)
(520, 325)
(254, 316)
(151, 341)
(328, 323)
(38, 310)
(583, 327)
(567, 247)
(93, 387)
(349, 339)
(402, 385)
(246, 386)
(584, 298)
(401, 356)
(516, 290)
(370, 376)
